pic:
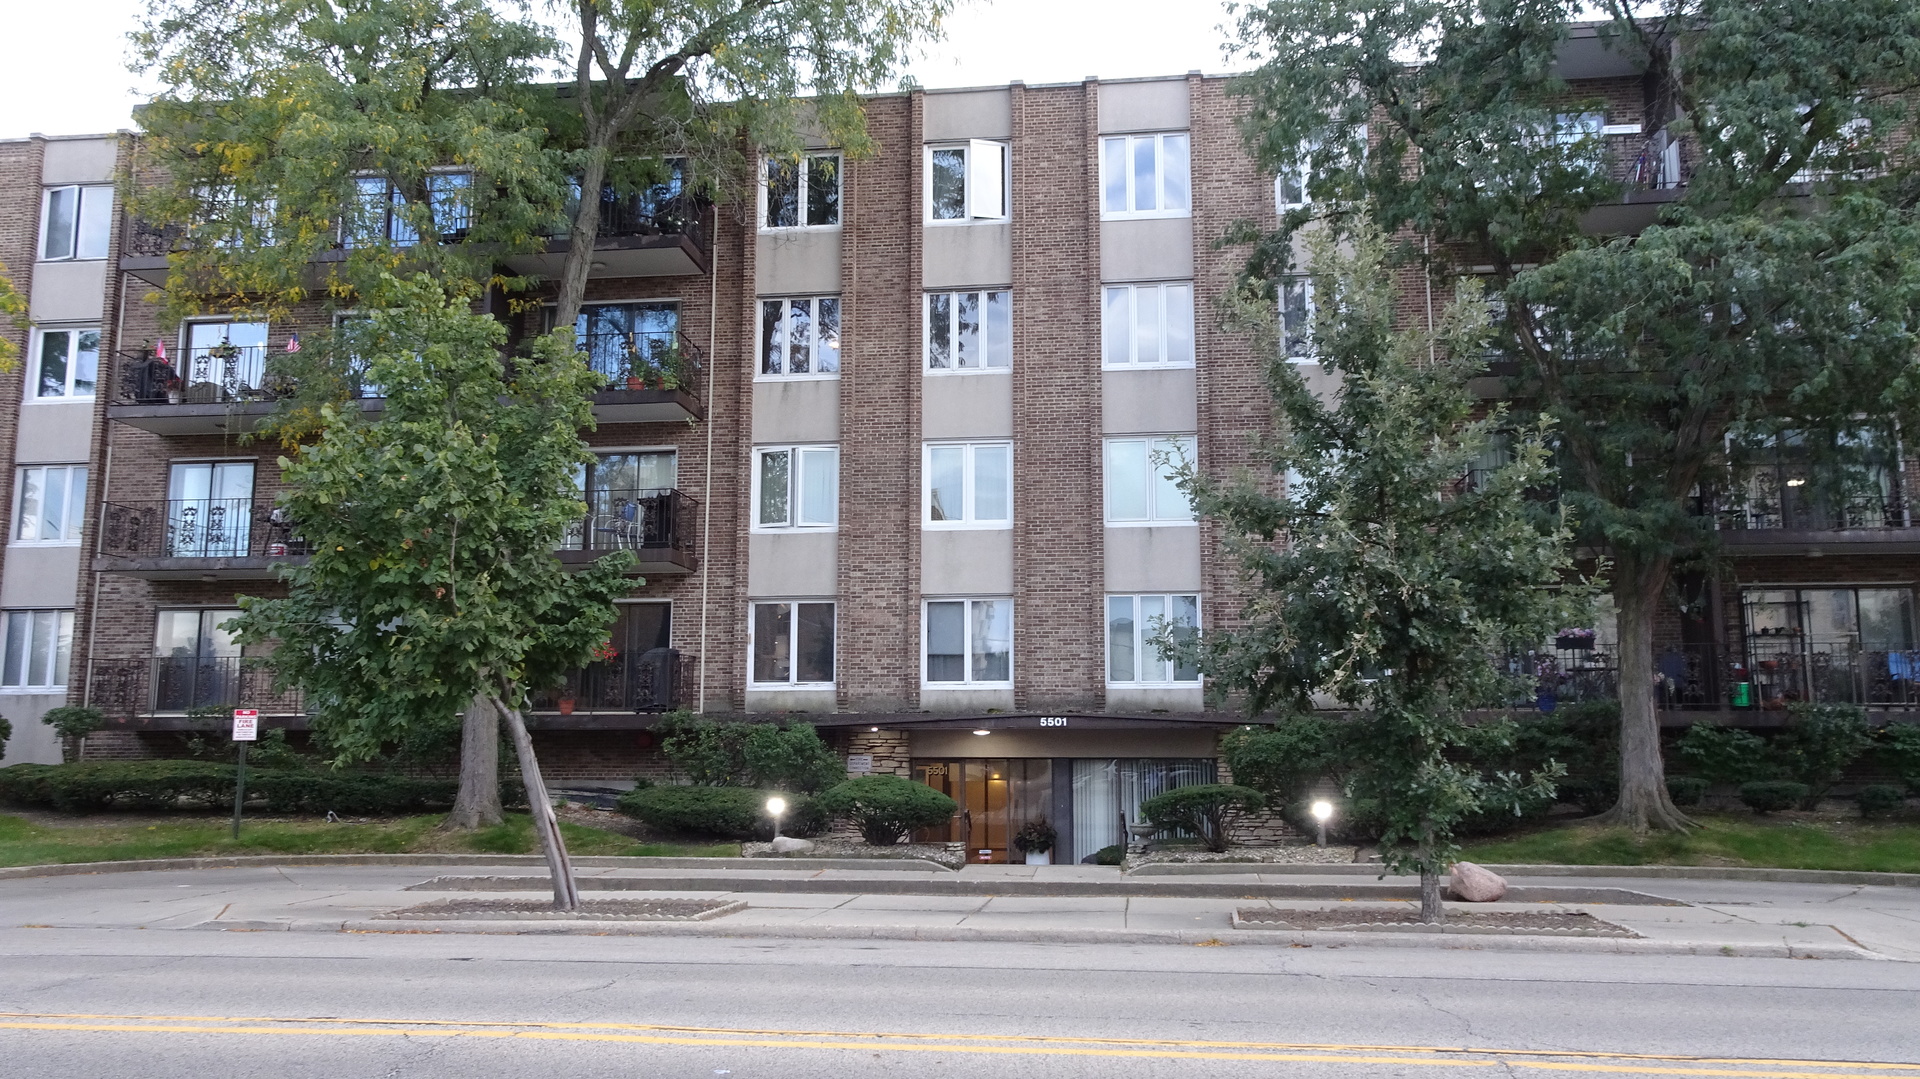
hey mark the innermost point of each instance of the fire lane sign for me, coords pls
(246, 724)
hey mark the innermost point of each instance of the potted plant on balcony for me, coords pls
(176, 390)
(1574, 640)
(1036, 839)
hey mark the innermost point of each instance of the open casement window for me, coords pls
(800, 337)
(969, 642)
(796, 487)
(968, 485)
(1144, 176)
(50, 504)
(75, 223)
(1134, 624)
(801, 194)
(67, 363)
(1296, 319)
(792, 644)
(1147, 325)
(1141, 488)
(967, 182)
(969, 331)
(38, 650)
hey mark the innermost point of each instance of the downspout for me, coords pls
(706, 493)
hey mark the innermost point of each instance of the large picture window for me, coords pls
(37, 651)
(50, 503)
(800, 337)
(969, 642)
(1144, 176)
(196, 660)
(968, 485)
(1134, 624)
(969, 331)
(801, 194)
(67, 363)
(1147, 325)
(792, 644)
(1141, 485)
(796, 487)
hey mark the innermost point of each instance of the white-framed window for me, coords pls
(802, 193)
(76, 222)
(66, 362)
(1145, 175)
(967, 181)
(791, 644)
(1295, 296)
(1134, 623)
(967, 485)
(37, 652)
(969, 331)
(1140, 481)
(50, 503)
(796, 487)
(1291, 185)
(800, 337)
(1147, 325)
(968, 642)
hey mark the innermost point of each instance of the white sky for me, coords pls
(66, 73)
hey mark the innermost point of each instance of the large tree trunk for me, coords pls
(566, 892)
(1432, 910)
(1644, 803)
(582, 232)
(477, 805)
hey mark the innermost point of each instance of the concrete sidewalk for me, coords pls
(1708, 917)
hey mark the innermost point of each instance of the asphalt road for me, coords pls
(161, 1004)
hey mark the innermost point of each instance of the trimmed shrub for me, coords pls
(96, 785)
(726, 812)
(1686, 790)
(1283, 760)
(6, 732)
(1111, 855)
(1822, 740)
(1593, 794)
(1880, 799)
(887, 809)
(751, 755)
(1725, 755)
(1772, 795)
(1202, 809)
(1899, 747)
(349, 793)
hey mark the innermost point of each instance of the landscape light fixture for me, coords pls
(983, 732)
(1322, 809)
(776, 805)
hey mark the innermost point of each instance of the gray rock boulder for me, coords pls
(786, 844)
(1475, 884)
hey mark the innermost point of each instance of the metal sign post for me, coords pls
(246, 728)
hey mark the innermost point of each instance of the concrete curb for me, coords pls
(1653, 872)
(1190, 937)
(271, 861)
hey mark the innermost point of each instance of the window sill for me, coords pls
(827, 376)
(1153, 524)
(76, 399)
(32, 691)
(1196, 684)
(965, 526)
(791, 687)
(983, 687)
(44, 543)
(101, 258)
(942, 222)
(1187, 366)
(775, 230)
(1145, 215)
(943, 372)
(789, 530)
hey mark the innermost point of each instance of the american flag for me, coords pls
(159, 349)
(293, 342)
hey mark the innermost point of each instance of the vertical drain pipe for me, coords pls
(706, 494)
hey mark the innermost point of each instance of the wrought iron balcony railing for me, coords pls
(1800, 507)
(665, 359)
(631, 682)
(634, 520)
(217, 375)
(198, 528)
(184, 685)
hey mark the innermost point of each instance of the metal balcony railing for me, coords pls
(182, 685)
(218, 375)
(664, 359)
(633, 520)
(1804, 507)
(198, 528)
(631, 682)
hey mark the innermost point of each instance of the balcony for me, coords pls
(650, 377)
(656, 525)
(196, 539)
(1775, 671)
(639, 236)
(1784, 513)
(622, 692)
(185, 693)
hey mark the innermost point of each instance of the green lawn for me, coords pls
(24, 843)
(1721, 839)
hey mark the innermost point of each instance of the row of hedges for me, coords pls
(886, 809)
(165, 784)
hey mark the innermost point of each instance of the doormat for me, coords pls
(592, 910)
(1527, 923)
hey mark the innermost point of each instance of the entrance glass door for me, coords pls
(996, 796)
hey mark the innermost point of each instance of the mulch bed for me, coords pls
(1543, 923)
(597, 910)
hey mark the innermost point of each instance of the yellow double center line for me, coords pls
(991, 1044)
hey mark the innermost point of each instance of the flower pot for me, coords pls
(566, 706)
(636, 383)
(1039, 857)
(1570, 643)
(275, 550)
(174, 397)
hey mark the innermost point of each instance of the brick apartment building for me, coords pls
(905, 483)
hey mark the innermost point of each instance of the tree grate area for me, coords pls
(593, 910)
(1547, 923)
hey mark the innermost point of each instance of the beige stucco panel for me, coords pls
(40, 576)
(970, 562)
(1149, 402)
(968, 114)
(1155, 558)
(798, 262)
(952, 744)
(966, 701)
(1153, 105)
(960, 256)
(967, 406)
(33, 742)
(792, 565)
(69, 291)
(79, 161)
(796, 410)
(1152, 249)
(1136, 701)
(790, 700)
(55, 432)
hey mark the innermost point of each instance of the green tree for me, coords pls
(432, 581)
(13, 308)
(1378, 572)
(1774, 300)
